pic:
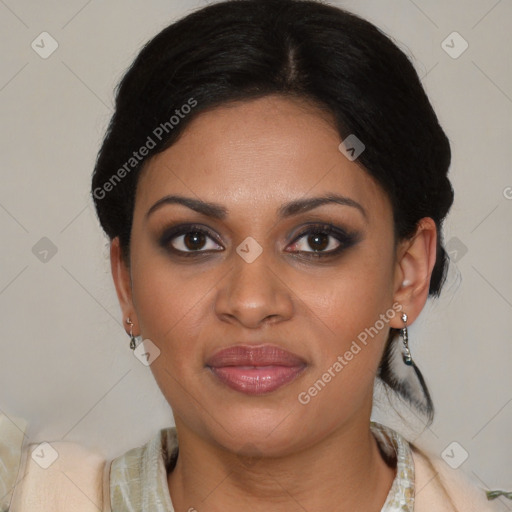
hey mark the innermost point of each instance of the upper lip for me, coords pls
(254, 355)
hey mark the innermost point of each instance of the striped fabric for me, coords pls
(138, 479)
(82, 480)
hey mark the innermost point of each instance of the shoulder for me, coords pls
(12, 433)
(138, 478)
(59, 476)
(441, 488)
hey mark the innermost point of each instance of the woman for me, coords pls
(273, 183)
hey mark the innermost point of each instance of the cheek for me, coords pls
(350, 313)
(352, 295)
(169, 313)
(172, 309)
(349, 351)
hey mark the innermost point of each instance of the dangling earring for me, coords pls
(406, 379)
(133, 339)
(403, 332)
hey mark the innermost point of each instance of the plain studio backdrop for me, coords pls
(65, 363)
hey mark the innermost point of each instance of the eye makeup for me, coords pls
(179, 240)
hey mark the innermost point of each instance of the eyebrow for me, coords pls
(289, 209)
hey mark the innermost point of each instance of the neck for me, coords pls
(344, 471)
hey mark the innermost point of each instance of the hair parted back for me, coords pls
(238, 50)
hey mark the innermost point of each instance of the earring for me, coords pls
(403, 332)
(133, 339)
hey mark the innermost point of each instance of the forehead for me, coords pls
(258, 154)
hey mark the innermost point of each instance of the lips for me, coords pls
(255, 369)
(261, 355)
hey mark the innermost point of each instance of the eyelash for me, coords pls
(345, 239)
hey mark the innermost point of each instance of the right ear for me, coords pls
(122, 281)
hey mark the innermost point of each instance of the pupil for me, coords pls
(194, 236)
(313, 240)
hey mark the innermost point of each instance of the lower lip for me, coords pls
(256, 380)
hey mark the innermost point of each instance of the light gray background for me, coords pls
(65, 364)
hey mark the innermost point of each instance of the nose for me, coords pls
(253, 294)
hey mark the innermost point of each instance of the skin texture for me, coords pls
(269, 452)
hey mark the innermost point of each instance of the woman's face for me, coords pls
(253, 277)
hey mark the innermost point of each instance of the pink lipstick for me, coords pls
(255, 370)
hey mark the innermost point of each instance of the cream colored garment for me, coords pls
(73, 482)
(440, 488)
(12, 431)
(139, 478)
(81, 480)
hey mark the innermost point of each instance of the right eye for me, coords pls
(187, 240)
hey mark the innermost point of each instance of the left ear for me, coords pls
(416, 258)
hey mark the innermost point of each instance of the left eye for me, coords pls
(318, 241)
(318, 237)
